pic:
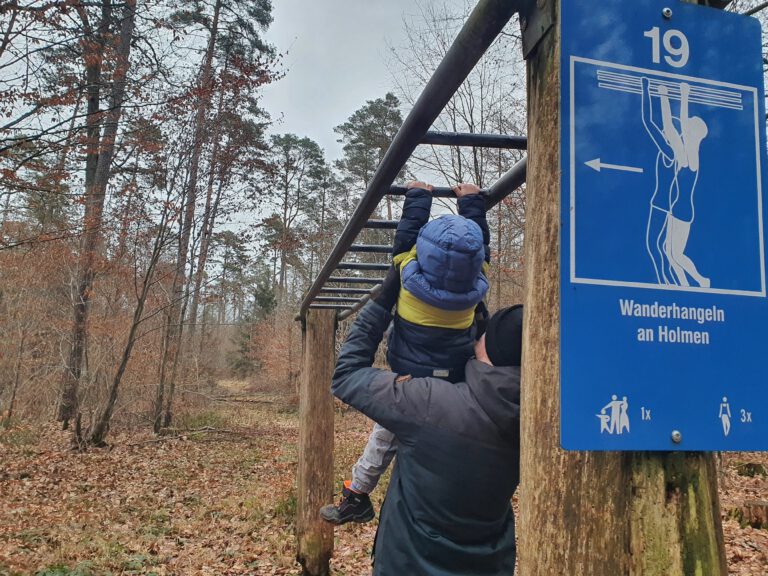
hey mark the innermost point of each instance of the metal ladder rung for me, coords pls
(371, 248)
(331, 306)
(381, 224)
(335, 299)
(361, 266)
(437, 191)
(327, 290)
(355, 280)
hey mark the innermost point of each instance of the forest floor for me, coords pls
(216, 502)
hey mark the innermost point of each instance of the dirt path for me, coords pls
(211, 503)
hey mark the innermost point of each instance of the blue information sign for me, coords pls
(664, 316)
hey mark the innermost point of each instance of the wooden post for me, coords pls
(591, 513)
(315, 471)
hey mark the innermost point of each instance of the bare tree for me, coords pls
(99, 152)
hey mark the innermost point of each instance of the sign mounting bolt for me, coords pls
(677, 437)
(667, 13)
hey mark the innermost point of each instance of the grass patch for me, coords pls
(254, 510)
(19, 437)
(82, 569)
(286, 508)
(200, 420)
(158, 523)
(32, 537)
(137, 564)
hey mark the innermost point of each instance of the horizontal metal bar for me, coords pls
(335, 299)
(332, 290)
(330, 306)
(437, 191)
(371, 248)
(355, 280)
(362, 266)
(482, 27)
(476, 140)
(381, 224)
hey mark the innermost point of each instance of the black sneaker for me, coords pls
(354, 507)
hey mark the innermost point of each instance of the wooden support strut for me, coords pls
(591, 513)
(315, 467)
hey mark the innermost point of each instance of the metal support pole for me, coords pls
(508, 183)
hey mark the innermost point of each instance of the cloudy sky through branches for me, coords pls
(336, 60)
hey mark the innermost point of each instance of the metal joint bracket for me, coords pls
(536, 19)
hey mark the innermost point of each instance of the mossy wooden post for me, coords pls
(315, 471)
(591, 513)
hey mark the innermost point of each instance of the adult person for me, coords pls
(447, 510)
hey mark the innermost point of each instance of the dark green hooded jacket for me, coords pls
(447, 510)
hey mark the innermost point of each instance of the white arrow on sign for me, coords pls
(597, 165)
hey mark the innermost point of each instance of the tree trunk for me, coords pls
(591, 513)
(174, 327)
(209, 215)
(99, 152)
(315, 474)
(101, 426)
(17, 370)
(92, 57)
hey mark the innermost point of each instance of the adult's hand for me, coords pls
(465, 189)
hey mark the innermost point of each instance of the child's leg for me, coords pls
(378, 454)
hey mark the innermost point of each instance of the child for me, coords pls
(441, 265)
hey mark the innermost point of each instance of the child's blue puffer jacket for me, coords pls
(442, 282)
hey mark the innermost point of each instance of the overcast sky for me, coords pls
(336, 60)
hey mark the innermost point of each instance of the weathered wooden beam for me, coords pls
(591, 513)
(315, 467)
